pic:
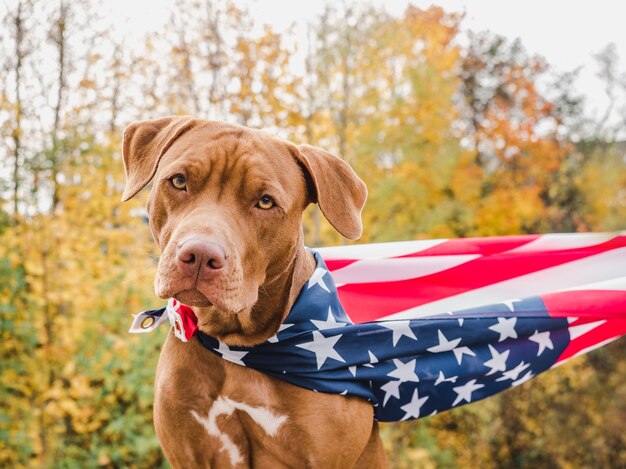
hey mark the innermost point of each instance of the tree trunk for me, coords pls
(18, 23)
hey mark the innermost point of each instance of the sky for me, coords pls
(566, 32)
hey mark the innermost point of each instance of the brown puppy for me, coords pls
(225, 210)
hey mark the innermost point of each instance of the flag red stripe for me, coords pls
(370, 301)
(480, 246)
(336, 264)
(595, 304)
(611, 329)
(463, 246)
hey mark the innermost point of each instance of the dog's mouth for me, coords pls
(193, 297)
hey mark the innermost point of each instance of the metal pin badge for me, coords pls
(147, 322)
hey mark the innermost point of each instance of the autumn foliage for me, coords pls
(455, 135)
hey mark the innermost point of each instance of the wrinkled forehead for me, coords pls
(232, 154)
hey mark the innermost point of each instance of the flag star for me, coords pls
(464, 393)
(231, 355)
(523, 379)
(392, 388)
(505, 327)
(318, 279)
(497, 361)
(373, 359)
(343, 393)
(352, 370)
(399, 328)
(509, 304)
(322, 347)
(442, 379)
(460, 321)
(404, 371)
(282, 327)
(445, 345)
(330, 323)
(412, 409)
(459, 352)
(543, 340)
(514, 373)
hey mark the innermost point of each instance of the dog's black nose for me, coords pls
(201, 258)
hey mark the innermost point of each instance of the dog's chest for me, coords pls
(240, 427)
(219, 414)
(222, 414)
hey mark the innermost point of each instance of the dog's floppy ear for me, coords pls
(145, 142)
(338, 191)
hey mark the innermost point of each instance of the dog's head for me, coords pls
(226, 206)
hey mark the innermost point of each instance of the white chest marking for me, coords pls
(268, 421)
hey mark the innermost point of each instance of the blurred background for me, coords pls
(457, 130)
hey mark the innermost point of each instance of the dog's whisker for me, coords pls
(262, 289)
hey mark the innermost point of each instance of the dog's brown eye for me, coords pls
(265, 202)
(179, 182)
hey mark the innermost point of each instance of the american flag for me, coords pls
(420, 327)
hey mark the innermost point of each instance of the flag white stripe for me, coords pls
(563, 241)
(612, 284)
(378, 250)
(597, 268)
(396, 269)
(576, 331)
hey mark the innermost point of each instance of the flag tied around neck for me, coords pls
(420, 327)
